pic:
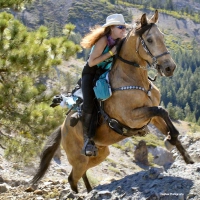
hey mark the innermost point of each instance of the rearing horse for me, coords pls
(134, 103)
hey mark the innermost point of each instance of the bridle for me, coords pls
(154, 58)
(140, 32)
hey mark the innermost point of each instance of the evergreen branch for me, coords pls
(2, 146)
(5, 135)
(1, 81)
(3, 70)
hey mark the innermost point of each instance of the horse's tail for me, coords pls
(52, 144)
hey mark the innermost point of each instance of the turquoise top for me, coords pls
(106, 64)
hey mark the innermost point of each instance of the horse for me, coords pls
(133, 105)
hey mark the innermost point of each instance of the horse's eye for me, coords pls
(149, 40)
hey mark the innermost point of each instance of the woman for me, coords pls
(103, 42)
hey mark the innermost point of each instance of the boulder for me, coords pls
(141, 153)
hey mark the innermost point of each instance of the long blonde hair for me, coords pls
(94, 35)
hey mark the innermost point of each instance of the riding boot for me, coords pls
(89, 148)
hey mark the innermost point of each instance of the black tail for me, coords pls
(50, 148)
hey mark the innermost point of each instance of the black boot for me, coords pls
(89, 148)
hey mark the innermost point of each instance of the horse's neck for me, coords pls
(130, 48)
(126, 74)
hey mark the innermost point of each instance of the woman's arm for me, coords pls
(96, 56)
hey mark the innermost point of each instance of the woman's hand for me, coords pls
(114, 50)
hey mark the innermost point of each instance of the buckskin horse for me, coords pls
(133, 104)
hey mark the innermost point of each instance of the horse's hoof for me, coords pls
(191, 162)
(168, 145)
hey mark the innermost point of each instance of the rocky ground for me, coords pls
(119, 177)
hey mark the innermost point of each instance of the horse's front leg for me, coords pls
(161, 125)
(161, 120)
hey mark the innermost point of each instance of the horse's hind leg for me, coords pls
(72, 143)
(73, 185)
(87, 183)
(79, 170)
(75, 176)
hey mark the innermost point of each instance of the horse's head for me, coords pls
(151, 46)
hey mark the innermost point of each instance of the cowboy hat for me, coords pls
(115, 19)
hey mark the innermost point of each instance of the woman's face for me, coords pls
(118, 31)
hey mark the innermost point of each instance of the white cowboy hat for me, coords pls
(115, 19)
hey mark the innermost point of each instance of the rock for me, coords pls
(15, 183)
(1, 179)
(47, 184)
(195, 151)
(63, 193)
(29, 189)
(38, 192)
(155, 172)
(3, 187)
(71, 196)
(141, 153)
(105, 194)
(161, 156)
(39, 198)
(66, 194)
(153, 197)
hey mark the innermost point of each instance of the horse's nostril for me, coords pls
(168, 69)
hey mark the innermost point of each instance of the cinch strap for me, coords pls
(120, 128)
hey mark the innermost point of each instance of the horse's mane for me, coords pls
(119, 46)
(121, 42)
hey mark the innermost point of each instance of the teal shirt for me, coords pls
(106, 64)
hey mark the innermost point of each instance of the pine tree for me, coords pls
(26, 60)
(171, 111)
(16, 5)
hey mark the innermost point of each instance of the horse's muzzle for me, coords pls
(166, 68)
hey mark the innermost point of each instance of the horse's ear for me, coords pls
(144, 21)
(154, 18)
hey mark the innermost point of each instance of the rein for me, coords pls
(128, 62)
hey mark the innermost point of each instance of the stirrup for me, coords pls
(89, 148)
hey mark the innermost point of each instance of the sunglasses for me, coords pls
(121, 27)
